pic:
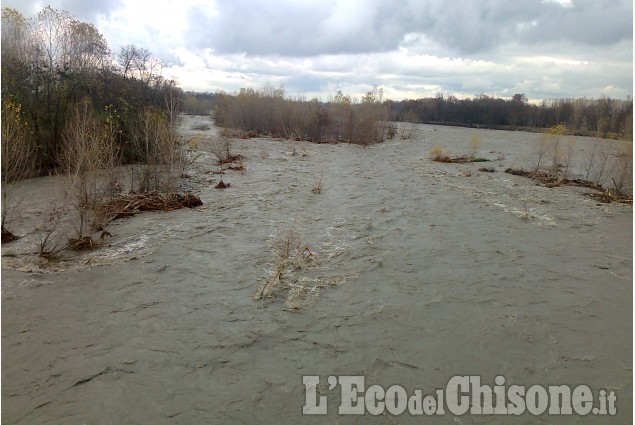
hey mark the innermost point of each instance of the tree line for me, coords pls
(267, 111)
(603, 117)
(196, 103)
(53, 62)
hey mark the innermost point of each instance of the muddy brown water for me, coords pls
(422, 271)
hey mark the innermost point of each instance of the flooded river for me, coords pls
(413, 272)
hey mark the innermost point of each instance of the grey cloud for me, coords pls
(465, 26)
(304, 29)
(84, 10)
(294, 29)
(494, 46)
(305, 83)
(26, 7)
(87, 10)
(591, 22)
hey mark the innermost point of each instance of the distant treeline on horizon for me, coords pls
(603, 117)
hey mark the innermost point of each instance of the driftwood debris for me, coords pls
(82, 244)
(133, 203)
(458, 159)
(608, 196)
(602, 195)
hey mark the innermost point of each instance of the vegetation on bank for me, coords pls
(53, 61)
(604, 117)
(268, 112)
(69, 106)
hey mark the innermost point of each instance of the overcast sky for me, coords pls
(410, 48)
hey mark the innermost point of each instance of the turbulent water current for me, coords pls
(407, 272)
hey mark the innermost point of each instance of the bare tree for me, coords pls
(541, 146)
(623, 174)
(591, 157)
(605, 153)
(85, 154)
(555, 134)
(17, 155)
(568, 156)
(161, 148)
(474, 145)
(126, 59)
(87, 50)
(407, 125)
